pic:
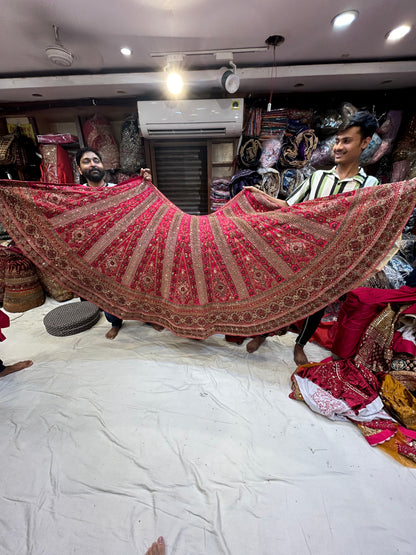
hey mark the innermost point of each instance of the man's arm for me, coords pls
(277, 201)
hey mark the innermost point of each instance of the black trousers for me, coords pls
(309, 327)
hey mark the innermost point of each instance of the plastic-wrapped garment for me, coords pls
(250, 152)
(400, 171)
(368, 153)
(271, 152)
(306, 117)
(244, 178)
(328, 122)
(377, 281)
(297, 151)
(406, 146)
(408, 243)
(57, 138)
(99, 136)
(271, 183)
(408, 228)
(396, 270)
(131, 146)
(412, 169)
(387, 133)
(291, 178)
(323, 156)
(384, 169)
(389, 129)
(347, 111)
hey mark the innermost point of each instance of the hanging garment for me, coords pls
(250, 268)
(98, 134)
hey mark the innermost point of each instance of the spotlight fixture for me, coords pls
(125, 51)
(344, 19)
(230, 81)
(174, 81)
(57, 53)
(398, 33)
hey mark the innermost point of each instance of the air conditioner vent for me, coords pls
(191, 118)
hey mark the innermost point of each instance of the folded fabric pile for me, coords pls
(372, 385)
(220, 193)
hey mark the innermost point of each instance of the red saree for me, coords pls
(249, 268)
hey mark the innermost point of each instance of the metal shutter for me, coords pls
(181, 172)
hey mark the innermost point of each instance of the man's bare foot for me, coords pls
(113, 332)
(299, 355)
(157, 548)
(157, 327)
(255, 343)
(15, 367)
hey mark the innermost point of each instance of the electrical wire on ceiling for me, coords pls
(275, 41)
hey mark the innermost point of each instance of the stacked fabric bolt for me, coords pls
(273, 123)
(220, 193)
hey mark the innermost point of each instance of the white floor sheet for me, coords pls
(105, 445)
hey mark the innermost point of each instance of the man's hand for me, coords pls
(145, 173)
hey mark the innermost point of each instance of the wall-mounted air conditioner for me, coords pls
(163, 119)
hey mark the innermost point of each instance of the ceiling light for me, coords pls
(344, 19)
(125, 51)
(398, 33)
(174, 83)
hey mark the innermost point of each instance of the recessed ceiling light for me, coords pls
(398, 33)
(125, 51)
(344, 19)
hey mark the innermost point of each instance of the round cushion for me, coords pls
(71, 318)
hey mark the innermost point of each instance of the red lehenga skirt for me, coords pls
(250, 268)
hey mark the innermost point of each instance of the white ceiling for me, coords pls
(313, 53)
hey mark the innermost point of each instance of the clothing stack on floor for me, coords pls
(372, 381)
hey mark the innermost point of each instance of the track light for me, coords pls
(230, 81)
(174, 81)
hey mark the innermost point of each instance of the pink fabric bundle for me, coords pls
(387, 132)
(270, 152)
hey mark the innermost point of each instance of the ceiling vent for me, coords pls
(57, 53)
